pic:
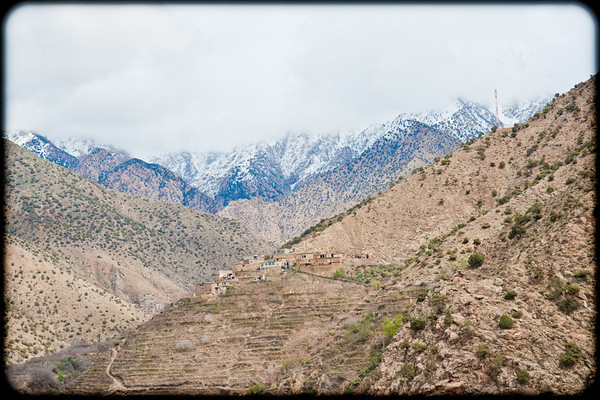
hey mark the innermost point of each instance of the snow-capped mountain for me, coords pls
(41, 146)
(81, 147)
(519, 112)
(274, 169)
(290, 162)
(269, 171)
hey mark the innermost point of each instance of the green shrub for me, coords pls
(419, 347)
(510, 295)
(505, 322)
(417, 324)
(516, 230)
(389, 328)
(568, 305)
(467, 330)
(448, 318)
(572, 289)
(517, 314)
(522, 376)
(581, 274)
(571, 355)
(421, 297)
(408, 371)
(476, 260)
(439, 303)
(360, 331)
(257, 389)
(496, 364)
(483, 350)
(340, 273)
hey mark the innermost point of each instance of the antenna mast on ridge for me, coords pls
(497, 118)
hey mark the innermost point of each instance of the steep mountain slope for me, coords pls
(405, 146)
(460, 185)
(146, 253)
(49, 307)
(98, 162)
(42, 147)
(523, 321)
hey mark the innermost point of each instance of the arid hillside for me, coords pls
(49, 308)
(506, 227)
(485, 175)
(107, 232)
(137, 254)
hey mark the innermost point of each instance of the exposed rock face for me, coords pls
(148, 180)
(98, 162)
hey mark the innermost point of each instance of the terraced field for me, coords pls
(279, 334)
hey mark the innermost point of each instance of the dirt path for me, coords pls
(117, 384)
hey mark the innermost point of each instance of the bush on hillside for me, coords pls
(257, 388)
(510, 294)
(506, 322)
(417, 324)
(476, 260)
(571, 355)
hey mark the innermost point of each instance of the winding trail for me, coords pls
(117, 384)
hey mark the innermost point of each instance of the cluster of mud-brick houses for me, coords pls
(258, 267)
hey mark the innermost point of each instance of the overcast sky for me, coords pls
(157, 77)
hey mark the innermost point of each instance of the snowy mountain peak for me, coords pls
(41, 146)
(21, 137)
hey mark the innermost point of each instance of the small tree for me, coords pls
(389, 328)
(417, 324)
(522, 376)
(505, 322)
(476, 260)
(516, 231)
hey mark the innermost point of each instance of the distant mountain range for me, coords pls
(276, 172)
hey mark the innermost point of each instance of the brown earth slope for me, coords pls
(271, 334)
(523, 198)
(67, 236)
(49, 308)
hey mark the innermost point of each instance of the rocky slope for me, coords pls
(523, 321)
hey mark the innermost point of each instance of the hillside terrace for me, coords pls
(258, 267)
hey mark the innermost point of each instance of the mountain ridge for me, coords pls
(269, 170)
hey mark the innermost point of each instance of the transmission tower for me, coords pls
(497, 118)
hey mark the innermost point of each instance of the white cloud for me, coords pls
(202, 77)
